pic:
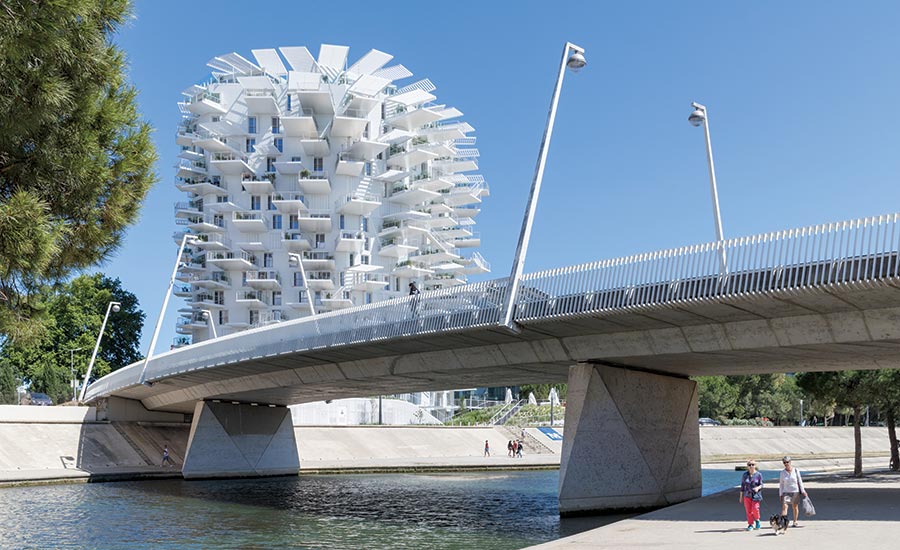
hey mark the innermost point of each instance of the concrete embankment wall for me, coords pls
(66, 442)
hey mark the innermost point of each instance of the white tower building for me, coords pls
(313, 186)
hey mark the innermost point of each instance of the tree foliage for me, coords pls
(74, 317)
(542, 391)
(773, 396)
(75, 158)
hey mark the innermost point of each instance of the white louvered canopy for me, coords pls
(299, 58)
(268, 59)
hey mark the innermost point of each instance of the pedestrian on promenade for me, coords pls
(519, 449)
(487, 448)
(515, 447)
(166, 459)
(790, 489)
(751, 494)
(509, 448)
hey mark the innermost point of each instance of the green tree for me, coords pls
(846, 389)
(886, 391)
(75, 158)
(717, 396)
(542, 391)
(74, 316)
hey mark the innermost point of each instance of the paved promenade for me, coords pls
(853, 514)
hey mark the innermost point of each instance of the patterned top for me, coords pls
(748, 483)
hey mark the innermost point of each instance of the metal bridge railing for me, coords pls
(844, 253)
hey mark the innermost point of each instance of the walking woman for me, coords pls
(790, 489)
(751, 494)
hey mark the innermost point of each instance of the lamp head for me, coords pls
(576, 61)
(205, 315)
(293, 260)
(116, 308)
(697, 117)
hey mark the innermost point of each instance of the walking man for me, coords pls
(166, 459)
(487, 448)
(414, 292)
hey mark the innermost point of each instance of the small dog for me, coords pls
(779, 523)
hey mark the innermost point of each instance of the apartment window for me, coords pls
(223, 317)
(342, 221)
(216, 118)
(251, 145)
(293, 222)
(270, 202)
(352, 263)
(368, 297)
(368, 169)
(289, 103)
(279, 144)
(219, 297)
(320, 239)
(255, 202)
(270, 164)
(364, 259)
(276, 221)
(276, 298)
(318, 164)
(219, 220)
(365, 134)
(268, 261)
(342, 278)
(254, 317)
(251, 125)
(277, 315)
(276, 125)
(365, 224)
(298, 279)
(243, 278)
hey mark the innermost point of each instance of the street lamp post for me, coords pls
(72, 372)
(187, 238)
(114, 307)
(698, 117)
(297, 259)
(801, 412)
(575, 62)
(210, 322)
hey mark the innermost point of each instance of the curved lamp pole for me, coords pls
(573, 58)
(114, 307)
(187, 238)
(207, 314)
(296, 260)
(72, 372)
(697, 118)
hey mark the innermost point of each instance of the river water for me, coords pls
(391, 511)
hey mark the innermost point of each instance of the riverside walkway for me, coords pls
(852, 513)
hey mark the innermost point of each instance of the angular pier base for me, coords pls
(631, 441)
(239, 440)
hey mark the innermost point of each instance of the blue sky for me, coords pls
(802, 98)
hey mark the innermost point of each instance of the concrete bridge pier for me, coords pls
(240, 440)
(631, 441)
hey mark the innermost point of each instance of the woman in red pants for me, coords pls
(751, 494)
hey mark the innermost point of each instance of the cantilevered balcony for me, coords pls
(318, 101)
(184, 291)
(340, 300)
(314, 182)
(369, 282)
(215, 280)
(289, 203)
(294, 241)
(316, 147)
(366, 150)
(445, 280)
(431, 256)
(402, 159)
(205, 223)
(349, 124)
(212, 142)
(396, 247)
(223, 203)
(188, 209)
(411, 270)
(358, 204)
(410, 195)
(349, 241)
(190, 169)
(252, 298)
(318, 221)
(212, 241)
(300, 123)
(231, 261)
(264, 280)
(187, 325)
(261, 102)
(448, 131)
(205, 103)
(257, 185)
(200, 186)
(249, 222)
(414, 118)
(289, 167)
(348, 165)
(318, 261)
(455, 165)
(476, 264)
(207, 300)
(230, 163)
(319, 280)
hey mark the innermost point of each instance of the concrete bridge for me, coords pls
(625, 333)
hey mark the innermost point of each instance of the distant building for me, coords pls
(314, 186)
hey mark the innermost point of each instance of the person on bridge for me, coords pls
(487, 448)
(413, 291)
(751, 494)
(790, 489)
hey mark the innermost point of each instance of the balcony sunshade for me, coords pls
(369, 85)
(299, 58)
(370, 62)
(256, 82)
(425, 85)
(191, 91)
(303, 81)
(233, 63)
(333, 57)
(268, 59)
(412, 97)
(396, 72)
